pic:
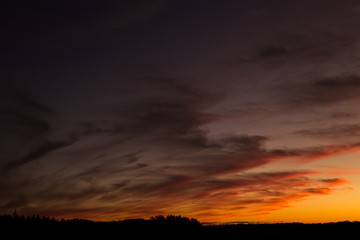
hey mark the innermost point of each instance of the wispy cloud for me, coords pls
(120, 109)
(322, 92)
(333, 132)
(156, 157)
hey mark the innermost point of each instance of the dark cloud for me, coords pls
(335, 132)
(26, 121)
(303, 39)
(32, 122)
(306, 46)
(250, 181)
(21, 202)
(41, 151)
(343, 115)
(20, 108)
(318, 190)
(334, 180)
(322, 92)
(23, 122)
(271, 51)
(27, 100)
(322, 151)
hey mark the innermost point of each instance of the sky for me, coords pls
(224, 111)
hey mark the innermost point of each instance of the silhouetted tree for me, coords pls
(175, 220)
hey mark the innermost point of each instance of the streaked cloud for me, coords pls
(129, 109)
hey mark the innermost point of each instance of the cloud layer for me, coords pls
(213, 110)
(152, 158)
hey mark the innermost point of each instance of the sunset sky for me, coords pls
(224, 111)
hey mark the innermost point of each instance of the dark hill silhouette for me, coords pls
(170, 227)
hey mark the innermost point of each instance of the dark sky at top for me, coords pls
(116, 109)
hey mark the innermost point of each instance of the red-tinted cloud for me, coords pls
(156, 159)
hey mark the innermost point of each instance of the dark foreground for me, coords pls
(45, 228)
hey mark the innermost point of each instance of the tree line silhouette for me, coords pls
(173, 227)
(158, 220)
